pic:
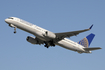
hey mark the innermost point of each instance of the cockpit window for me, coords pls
(10, 18)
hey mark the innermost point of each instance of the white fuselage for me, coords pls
(40, 33)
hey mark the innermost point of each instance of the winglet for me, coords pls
(91, 27)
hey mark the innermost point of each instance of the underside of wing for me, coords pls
(72, 33)
(39, 41)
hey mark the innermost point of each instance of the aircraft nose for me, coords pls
(6, 20)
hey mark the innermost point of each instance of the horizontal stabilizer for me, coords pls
(93, 48)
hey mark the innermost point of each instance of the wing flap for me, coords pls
(92, 48)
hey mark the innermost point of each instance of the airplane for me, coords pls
(48, 38)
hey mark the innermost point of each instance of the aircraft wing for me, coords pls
(72, 33)
(39, 41)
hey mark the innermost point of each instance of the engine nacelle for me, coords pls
(31, 40)
(50, 34)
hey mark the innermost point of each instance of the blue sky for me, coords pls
(57, 16)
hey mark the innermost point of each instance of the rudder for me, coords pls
(87, 40)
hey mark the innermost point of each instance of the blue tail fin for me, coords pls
(87, 40)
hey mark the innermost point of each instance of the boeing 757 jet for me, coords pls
(48, 38)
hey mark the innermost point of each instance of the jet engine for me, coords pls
(32, 40)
